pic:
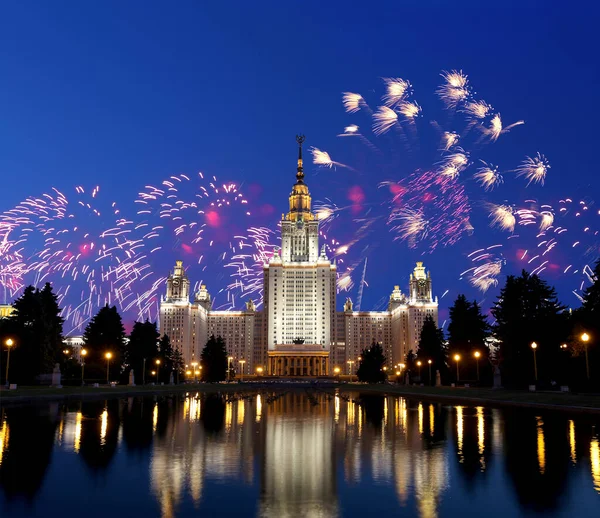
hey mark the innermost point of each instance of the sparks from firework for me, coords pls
(455, 89)
(449, 139)
(488, 176)
(409, 109)
(476, 109)
(322, 159)
(383, 119)
(353, 102)
(496, 128)
(397, 90)
(488, 266)
(534, 169)
(503, 217)
(454, 163)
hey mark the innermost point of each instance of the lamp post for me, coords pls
(108, 356)
(229, 360)
(457, 359)
(83, 353)
(144, 372)
(419, 363)
(350, 363)
(585, 338)
(477, 355)
(259, 370)
(402, 366)
(194, 365)
(157, 369)
(429, 362)
(534, 347)
(9, 343)
(242, 368)
(336, 371)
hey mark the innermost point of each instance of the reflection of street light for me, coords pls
(108, 356)
(477, 355)
(242, 369)
(9, 343)
(457, 359)
(83, 353)
(585, 338)
(534, 347)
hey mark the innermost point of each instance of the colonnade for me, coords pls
(293, 365)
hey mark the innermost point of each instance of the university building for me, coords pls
(298, 332)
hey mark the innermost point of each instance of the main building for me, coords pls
(298, 332)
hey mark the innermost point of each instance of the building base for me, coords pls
(287, 363)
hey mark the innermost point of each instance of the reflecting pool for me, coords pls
(297, 453)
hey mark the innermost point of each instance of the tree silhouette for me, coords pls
(36, 329)
(432, 347)
(370, 369)
(214, 360)
(143, 345)
(527, 311)
(105, 333)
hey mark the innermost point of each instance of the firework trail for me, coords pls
(534, 169)
(488, 176)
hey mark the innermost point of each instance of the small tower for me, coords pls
(178, 285)
(420, 285)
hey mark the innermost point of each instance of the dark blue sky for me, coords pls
(124, 94)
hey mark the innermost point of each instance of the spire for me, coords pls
(300, 173)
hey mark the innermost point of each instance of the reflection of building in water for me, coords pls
(595, 462)
(184, 455)
(298, 470)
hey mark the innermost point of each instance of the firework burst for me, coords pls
(534, 169)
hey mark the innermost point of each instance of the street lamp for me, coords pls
(229, 360)
(457, 359)
(259, 370)
(108, 356)
(242, 368)
(477, 355)
(350, 363)
(534, 347)
(194, 365)
(585, 338)
(336, 371)
(429, 362)
(9, 343)
(83, 353)
(419, 363)
(157, 369)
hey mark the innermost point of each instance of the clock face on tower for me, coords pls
(176, 282)
(422, 283)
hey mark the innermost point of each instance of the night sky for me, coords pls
(124, 95)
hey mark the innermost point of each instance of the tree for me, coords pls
(214, 360)
(167, 355)
(411, 363)
(36, 328)
(468, 331)
(527, 311)
(105, 333)
(586, 319)
(142, 348)
(370, 369)
(432, 347)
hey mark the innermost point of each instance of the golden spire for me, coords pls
(300, 172)
(299, 198)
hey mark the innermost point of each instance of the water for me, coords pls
(297, 453)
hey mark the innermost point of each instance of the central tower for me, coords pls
(299, 227)
(299, 295)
